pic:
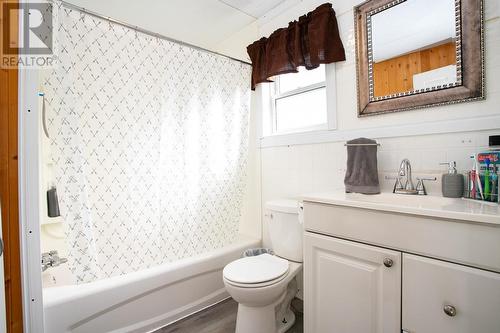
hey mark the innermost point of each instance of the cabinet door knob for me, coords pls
(388, 262)
(450, 310)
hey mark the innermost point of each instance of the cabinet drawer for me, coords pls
(433, 290)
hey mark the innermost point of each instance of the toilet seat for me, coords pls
(257, 271)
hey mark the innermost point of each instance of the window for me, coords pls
(299, 101)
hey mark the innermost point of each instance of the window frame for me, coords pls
(273, 96)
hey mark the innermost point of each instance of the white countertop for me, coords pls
(432, 206)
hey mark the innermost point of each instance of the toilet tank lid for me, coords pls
(283, 206)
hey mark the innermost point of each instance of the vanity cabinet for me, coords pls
(444, 297)
(350, 287)
(377, 270)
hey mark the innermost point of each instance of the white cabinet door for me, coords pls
(449, 298)
(348, 288)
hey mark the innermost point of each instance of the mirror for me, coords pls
(414, 53)
(414, 47)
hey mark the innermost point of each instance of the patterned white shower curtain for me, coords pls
(149, 146)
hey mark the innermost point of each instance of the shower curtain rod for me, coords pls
(147, 32)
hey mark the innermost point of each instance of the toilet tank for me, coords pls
(284, 220)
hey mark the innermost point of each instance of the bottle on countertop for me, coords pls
(452, 183)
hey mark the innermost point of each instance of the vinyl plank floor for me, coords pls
(220, 318)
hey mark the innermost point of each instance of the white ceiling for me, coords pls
(254, 8)
(204, 23)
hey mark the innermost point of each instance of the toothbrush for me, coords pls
(487, 180)
(478, 178)
(498, 187)
(494, 184)
(473, 179)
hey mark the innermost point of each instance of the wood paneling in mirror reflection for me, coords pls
(9, 191)
(396, 75)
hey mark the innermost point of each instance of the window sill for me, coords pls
(296, 138)
(425, 128)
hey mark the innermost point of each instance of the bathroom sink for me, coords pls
(407, 200)
(434, 206)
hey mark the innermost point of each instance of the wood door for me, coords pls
(348, 288)
(443, 297)
(3, 314)
(9, 195)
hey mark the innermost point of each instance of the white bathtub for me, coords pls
(142, 301)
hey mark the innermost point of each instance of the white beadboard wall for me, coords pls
(289, 171)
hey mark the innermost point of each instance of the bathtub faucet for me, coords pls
(51, 259)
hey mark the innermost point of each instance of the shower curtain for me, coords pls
(149, 142)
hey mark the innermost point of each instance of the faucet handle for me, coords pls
(420, 185)
(430, 179)
(397, 185)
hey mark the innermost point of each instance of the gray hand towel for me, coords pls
(362, 173)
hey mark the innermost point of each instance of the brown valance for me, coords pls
(312, 40)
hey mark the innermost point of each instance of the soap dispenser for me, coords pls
(452, 183)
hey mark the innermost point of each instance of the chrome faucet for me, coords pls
(404, 177)
(405, 171)
(51, 259)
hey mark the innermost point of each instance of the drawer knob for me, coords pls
(450, 310)
(388, 262)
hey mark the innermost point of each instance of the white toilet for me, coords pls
(264, 285)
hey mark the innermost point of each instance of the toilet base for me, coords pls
(286, 323)
(277, 317)
(262, 320)
(285, 318)
(255, 319)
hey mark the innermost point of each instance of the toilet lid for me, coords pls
(256, 269)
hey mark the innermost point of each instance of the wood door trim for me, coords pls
(9, 196)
